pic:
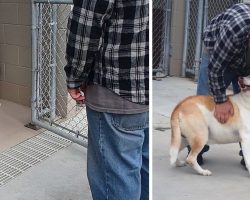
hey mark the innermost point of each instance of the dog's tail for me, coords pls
(175, 137)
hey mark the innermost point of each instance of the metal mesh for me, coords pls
(210, 10)
(215, 7)
(192, 36)
(161, 33)
(25, 155)
(54, 106)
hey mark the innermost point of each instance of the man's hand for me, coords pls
(223, 111)
(78, 94)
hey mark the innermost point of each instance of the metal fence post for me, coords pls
(34, 62)
(198, 42)
(186, 31)
(161, 35)
(167, 45)
(53, 64)
(205, 18)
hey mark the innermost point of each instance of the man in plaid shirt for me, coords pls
(225, 59)
(107, 60)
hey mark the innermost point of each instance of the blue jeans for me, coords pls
(203, 86)
(118, 156)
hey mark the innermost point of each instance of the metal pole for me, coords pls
(61, 133)
(198, 42)
(205, 20)
(39, 56)
(167, 34)
(186, 32)
(34, 63)
(53, 64)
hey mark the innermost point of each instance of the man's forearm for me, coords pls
(84, 33)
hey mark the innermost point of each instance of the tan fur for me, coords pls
(193, 122)
(188, 107)
(190, 112)
(187, 120)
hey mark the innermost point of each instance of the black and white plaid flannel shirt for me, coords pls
(108, 45)
(226, 38)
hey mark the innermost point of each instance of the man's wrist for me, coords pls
(75, 84)
(220, 99)
(220, 102)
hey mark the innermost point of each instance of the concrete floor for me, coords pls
(60, 177)
(229, 180)
(13, 117)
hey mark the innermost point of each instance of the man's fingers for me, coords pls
(81, 102)
(226, 117)
(222, 119)
(80, 98)
(218, 117)
(215, 114)
(223, 112)
(76, 95)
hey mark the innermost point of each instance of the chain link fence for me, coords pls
(52, 107)
(192, 35)
(198, 14)
(161, 35)
(215, 7)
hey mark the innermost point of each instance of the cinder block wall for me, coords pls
(177, 35)
(15, 51)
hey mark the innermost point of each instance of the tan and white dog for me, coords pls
(193, 123)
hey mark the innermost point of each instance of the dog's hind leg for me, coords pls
(181, 163)
(196, 147)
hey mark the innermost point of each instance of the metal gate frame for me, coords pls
(164, 35)
(50, 123)
(191, 60)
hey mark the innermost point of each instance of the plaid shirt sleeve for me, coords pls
(85, 26)
(226, 46)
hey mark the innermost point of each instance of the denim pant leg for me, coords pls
(202, 86)
(145, 167)
(115, 148)
(232, 77)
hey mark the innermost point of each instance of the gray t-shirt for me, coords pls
(102, 99)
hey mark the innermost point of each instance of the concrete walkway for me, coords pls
(229, 180)
(62, 176)
(13, 117)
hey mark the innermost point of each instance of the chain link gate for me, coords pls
(161, 35)
(52, 107)
(198, 14)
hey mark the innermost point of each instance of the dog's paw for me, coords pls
(206, 172)
(180, 163)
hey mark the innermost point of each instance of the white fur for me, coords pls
(219, 133)
(238, 130)
(173, 155)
